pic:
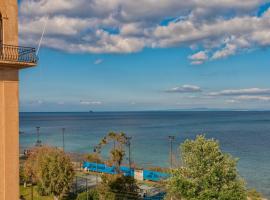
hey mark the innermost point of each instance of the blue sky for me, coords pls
(164, 57)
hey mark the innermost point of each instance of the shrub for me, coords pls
(92, 195)
(254, 195)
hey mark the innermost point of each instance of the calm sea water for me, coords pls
(246, 135)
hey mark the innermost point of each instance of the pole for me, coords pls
(129, 151)
(96, 151)
(38, 143)
(76, 185)
(63, 138)
(32, 192)
(96, 173)
(86, 180)
(171, 138)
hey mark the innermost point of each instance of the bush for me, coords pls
(254, 195)
(92, 195)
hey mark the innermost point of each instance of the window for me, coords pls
(1, 29)
(1, 36)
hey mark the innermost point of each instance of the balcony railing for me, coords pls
(18, 54)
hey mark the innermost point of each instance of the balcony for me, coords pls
(17, 56)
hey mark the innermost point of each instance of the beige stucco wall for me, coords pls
(9, 137)
(9, 11)
(9, 109)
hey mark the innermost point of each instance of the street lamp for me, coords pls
(129, 151)
(96, 151)
(171, 138)
(38, 142)
(63, 138)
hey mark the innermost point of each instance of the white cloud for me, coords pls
(232, 101)
(229, 49)
(218, 28)
(37, 102)
(253, 98)
(83, 102)
(185, 89)
(237, 92)
(198, 58)
(98, 61)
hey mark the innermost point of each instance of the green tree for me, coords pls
(51, 169)
(94, 157)
(117, 153)
(118, 187)
(207, 173)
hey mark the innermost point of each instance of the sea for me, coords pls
(244, 134)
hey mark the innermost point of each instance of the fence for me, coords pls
(102, 168)
(18, 54)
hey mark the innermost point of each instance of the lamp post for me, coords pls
(171, 138)
(63, 138)
(38, 142)
(96, 151)
(129, 151)
(86, 181)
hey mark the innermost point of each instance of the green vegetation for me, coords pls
(117, 153)
(26, 193)
(52, 171)
(254, 195)
(207, 173)
(93, 157)
(119, 187)
(92, 195)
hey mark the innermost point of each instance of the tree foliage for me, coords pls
(117, 153)
(118, 187)
(254, 195)
(93, 157)
(207, 173)
(90, 195)
(51, 169)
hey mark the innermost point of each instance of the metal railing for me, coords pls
(18, 54)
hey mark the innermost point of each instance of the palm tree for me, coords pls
(118, 152)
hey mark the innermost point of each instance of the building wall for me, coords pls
(9, 137)
(9, 109)
(9, 11)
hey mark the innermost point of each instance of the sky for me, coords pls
(125, 55)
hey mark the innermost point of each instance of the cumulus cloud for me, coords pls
(238, 92)
(218, 28)
(185, 89)
(198, 58)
